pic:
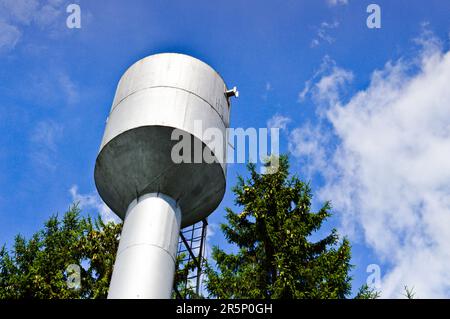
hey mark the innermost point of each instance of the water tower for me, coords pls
(136, 175)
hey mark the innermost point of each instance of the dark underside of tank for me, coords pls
(139, 162)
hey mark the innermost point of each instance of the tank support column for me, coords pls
(145, 260)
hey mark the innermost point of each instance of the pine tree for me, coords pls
(276, 257)
(366, 292)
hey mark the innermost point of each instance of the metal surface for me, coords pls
(145, 260)
(156, 95)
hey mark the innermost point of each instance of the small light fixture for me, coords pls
(233, 92)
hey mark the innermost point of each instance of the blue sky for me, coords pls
(337, 88)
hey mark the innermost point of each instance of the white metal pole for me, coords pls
(145, 261)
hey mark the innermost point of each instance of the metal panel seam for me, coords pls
(169, 87)
(143, 244)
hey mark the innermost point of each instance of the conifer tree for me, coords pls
(276, 257)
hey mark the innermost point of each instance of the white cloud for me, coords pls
(303, 93)
(47, 15)
(20, 11)
(329, 86)
(17, 14)
(334, 3)
(93, 201)
(51, 87)
(47, 133)
(323, 35)
(68, 87)
(388, 167)
(29, 12)
(44, 138)
(9, 36)
(306, 142)
(326, 84)
(278, 121)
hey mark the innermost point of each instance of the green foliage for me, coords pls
(276, 258)
(181, 282)
(365, 292)
(36, 268)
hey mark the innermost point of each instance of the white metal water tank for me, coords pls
(156, 95)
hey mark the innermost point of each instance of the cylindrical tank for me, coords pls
(157, 95)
